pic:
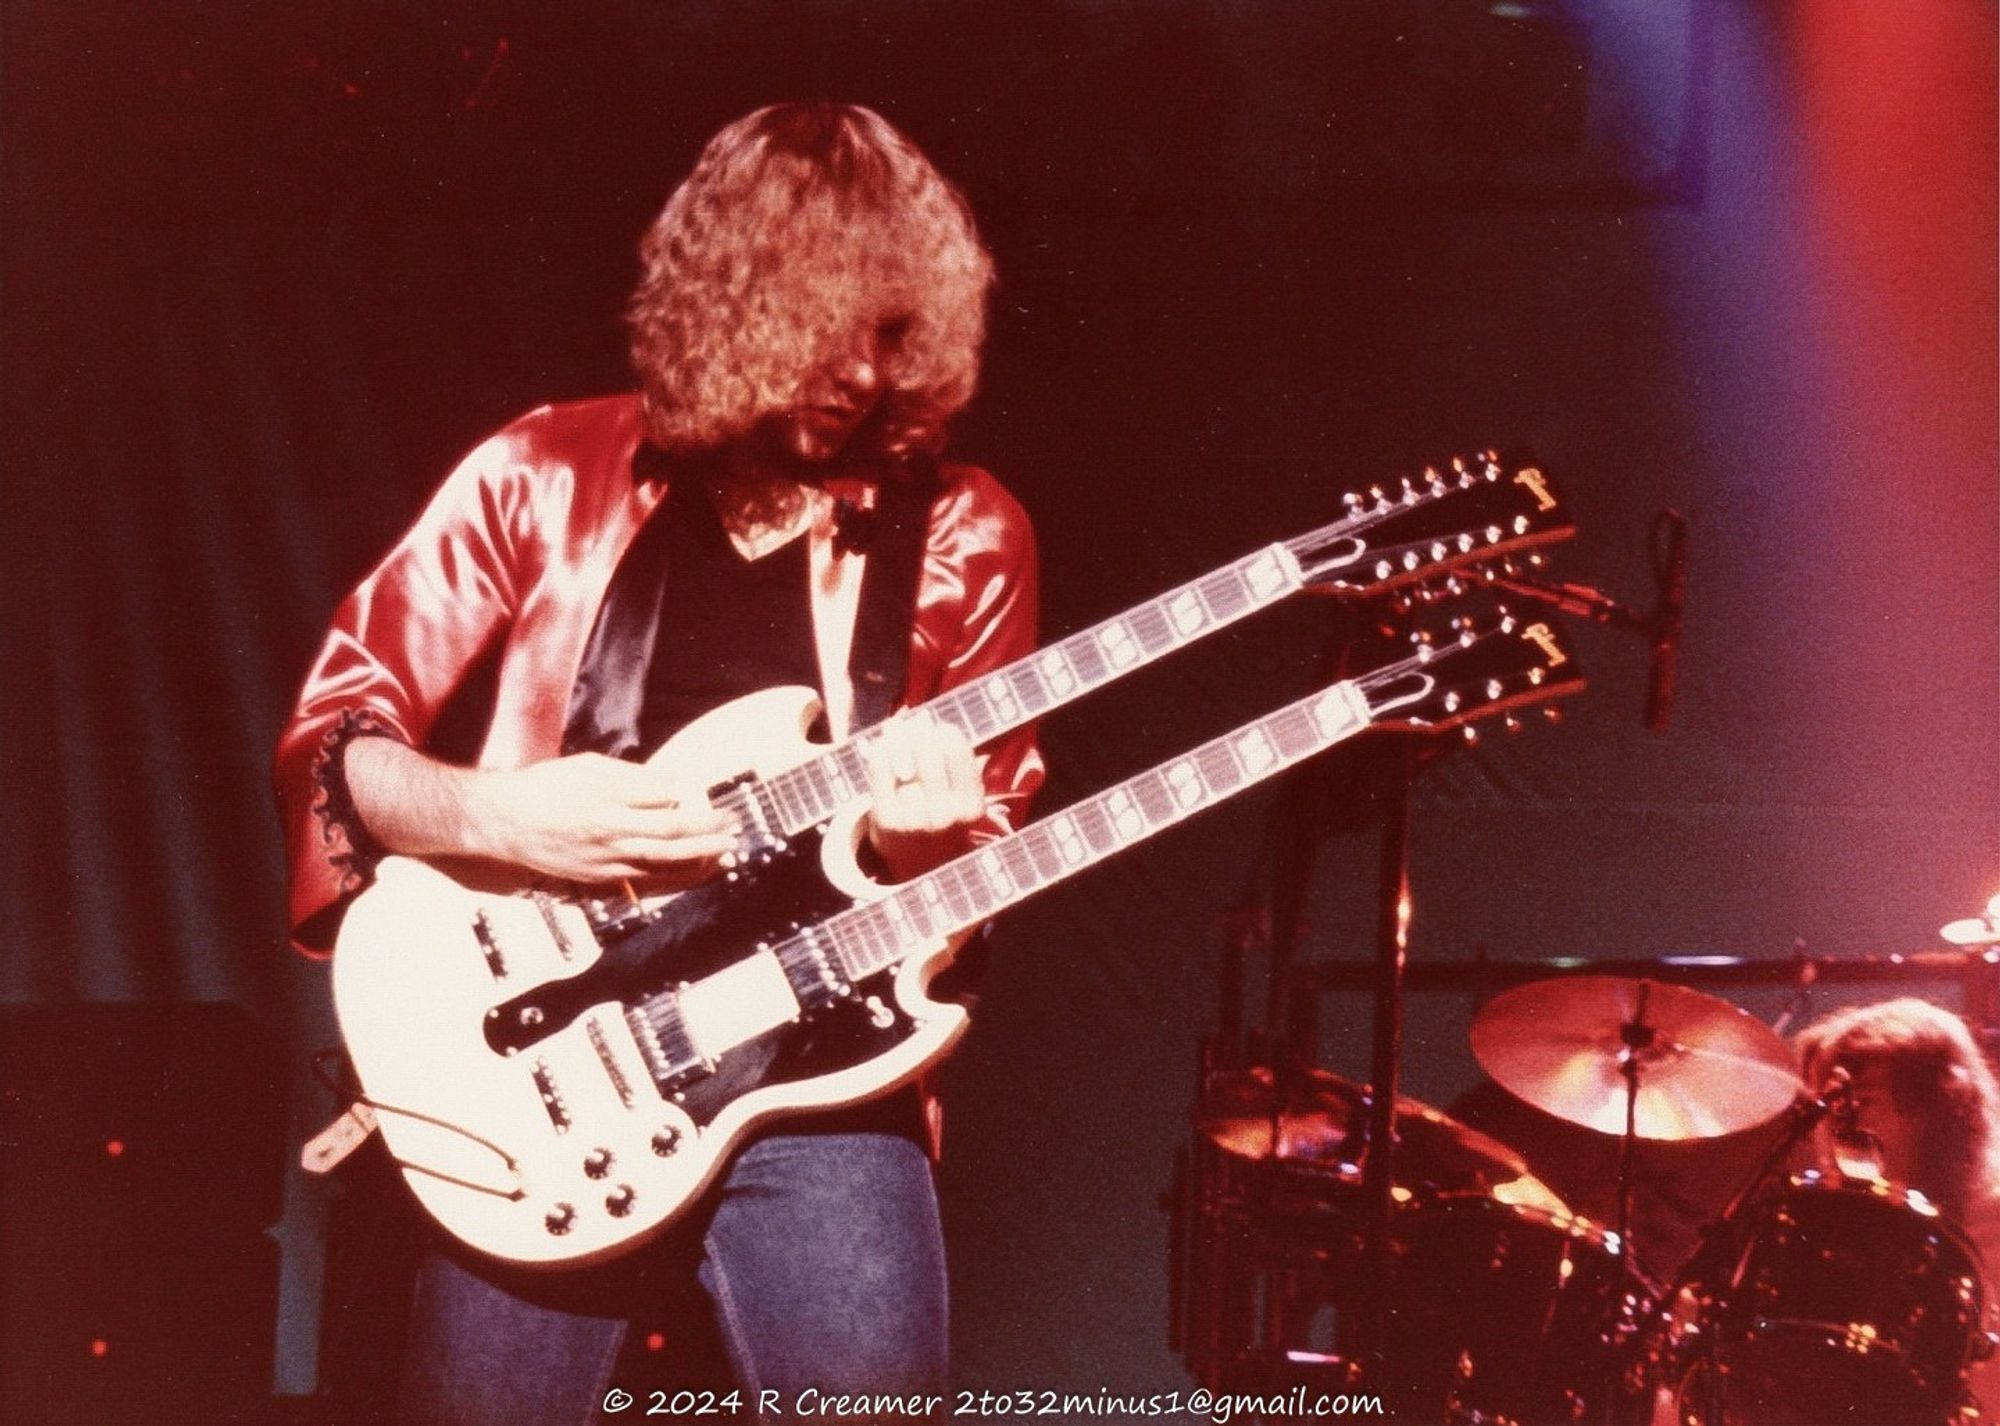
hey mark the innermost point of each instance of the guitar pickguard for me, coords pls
(703, 933)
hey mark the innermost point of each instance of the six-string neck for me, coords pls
(1008, 698)
(973, 887)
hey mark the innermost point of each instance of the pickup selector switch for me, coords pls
(619, 1201)
(597, 1163)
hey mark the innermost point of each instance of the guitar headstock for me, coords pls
(1477, 666)
(1472, 512)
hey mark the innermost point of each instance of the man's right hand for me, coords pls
(592, 819)
(584, 818)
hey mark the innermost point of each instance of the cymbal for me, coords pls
(1975, 930)
(1324, 1123)
(1705, 1067)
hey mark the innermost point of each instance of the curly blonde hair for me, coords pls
(801, 226)
(1937, 1078)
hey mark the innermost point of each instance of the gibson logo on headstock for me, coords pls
(1544, 638)
(1537, 485)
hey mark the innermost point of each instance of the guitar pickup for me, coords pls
(552, 1100)
(489, 945)
(662, 1037)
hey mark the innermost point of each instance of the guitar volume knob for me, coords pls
(597, 1163)
(559, 1218)
(619, 1201)
(667, 1141)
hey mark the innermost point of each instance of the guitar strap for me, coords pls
(893, 535)
(864, 634)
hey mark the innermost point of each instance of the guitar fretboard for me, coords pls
(973, 887)
(806, 795)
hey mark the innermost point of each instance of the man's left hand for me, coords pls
(927, 789)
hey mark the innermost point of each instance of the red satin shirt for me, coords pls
(518, 546)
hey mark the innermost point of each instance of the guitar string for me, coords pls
(802, 781)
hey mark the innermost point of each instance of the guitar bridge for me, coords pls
(811, 973)
(661, 1034)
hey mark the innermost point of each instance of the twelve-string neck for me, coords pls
(1008, 698)
(969, 889)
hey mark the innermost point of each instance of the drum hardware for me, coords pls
(1508, 1306)
(1571, 1048)
(1828, 1298)
(1976, 931)
(1297, 1254)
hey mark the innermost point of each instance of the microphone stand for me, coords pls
(1661, 626)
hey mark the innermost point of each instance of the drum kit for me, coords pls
(1329, 1238)
(1813, 1298)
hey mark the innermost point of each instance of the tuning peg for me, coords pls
(1453, 584)
(1352, 500)
(1538, 560)
(1551, 713)
(1401, 605)
(1511, 723)
(1471, 735)
(1494, 688)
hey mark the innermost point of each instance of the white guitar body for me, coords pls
(566, 1151)
(559, 1083)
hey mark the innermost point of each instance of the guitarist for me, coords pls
(770, 508)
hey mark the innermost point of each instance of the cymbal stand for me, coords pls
(1392, 951)
(1803, 1118)
(1638, 1037)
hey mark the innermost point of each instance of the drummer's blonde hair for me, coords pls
(802, 227)
(1938, 1078)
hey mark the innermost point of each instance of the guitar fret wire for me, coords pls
(984, 717)
(1036, 694)
(965, 888)
(794, 786)
(808, 794)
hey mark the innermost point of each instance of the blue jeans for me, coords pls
(822, 1260)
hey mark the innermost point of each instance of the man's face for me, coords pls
(838, 397)
(1876, 1113)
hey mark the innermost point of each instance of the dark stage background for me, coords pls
(268, 270)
